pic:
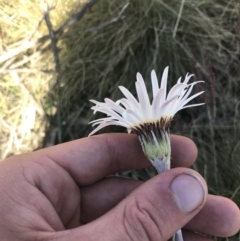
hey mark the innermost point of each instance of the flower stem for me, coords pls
(157, 148)
(178, 235)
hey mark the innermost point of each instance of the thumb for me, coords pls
(154, 211)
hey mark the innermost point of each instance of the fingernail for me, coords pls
(188, 191)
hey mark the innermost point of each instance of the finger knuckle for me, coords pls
(142, 221)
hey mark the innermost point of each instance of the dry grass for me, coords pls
(25, 78)
(106, 48)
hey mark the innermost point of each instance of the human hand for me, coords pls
(63, 193)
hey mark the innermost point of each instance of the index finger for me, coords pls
(90, 159)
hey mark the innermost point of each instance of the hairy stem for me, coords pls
(157, 148)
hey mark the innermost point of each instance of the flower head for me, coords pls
(149, 120)
(133, 114)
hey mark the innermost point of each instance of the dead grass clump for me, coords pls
(116, 39)
(26, 69)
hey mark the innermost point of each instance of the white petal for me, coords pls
(166, 107)
(169, 101)
(101, 120)
(114, 106)
(187, 78)
(129, 96)
(95, 108)
(176, 90)
(189, 99)
(108, 124)
(109, 104)
(136, 114)
(155, 86)
(188, 92)
(164, 81)
(179, 80)
(126, 103)
(104, 121)
(96, 102)
(196, 82)
(188, 106)
(157, 103)
(171, 109)
(131, 118)
(129, 105)
(143, 89)
(145, 108)
(113, 114)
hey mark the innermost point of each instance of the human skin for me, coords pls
(65, 193)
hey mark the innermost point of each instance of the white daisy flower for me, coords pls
(149, 120)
